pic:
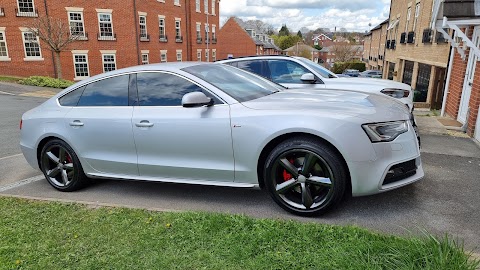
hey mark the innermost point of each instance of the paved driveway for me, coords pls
(446, 201)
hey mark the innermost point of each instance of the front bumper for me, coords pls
(400, 157)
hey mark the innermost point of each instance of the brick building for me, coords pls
(415, 54)
(461, 100)
(374, 46)
(113, 34)
(322, 40)
(239, 38)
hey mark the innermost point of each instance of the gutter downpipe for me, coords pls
(447, 83)
(137, 37)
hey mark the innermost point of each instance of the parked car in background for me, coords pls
(212, 124)
(299, 72)
(371, 74)
(351, 72)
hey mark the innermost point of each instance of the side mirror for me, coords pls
(308, 78)
(196, 99)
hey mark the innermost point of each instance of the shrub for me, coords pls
(46, 82)
(339, 67)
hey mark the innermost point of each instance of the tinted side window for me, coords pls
(255, 66)
(72, 98)
(108, 92)
(286, 71)
(162, 89)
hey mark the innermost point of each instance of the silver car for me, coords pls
(213, 124)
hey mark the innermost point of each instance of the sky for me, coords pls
(354, 15)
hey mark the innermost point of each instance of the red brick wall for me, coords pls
(125, 26)
(474, 102)
(235, 40)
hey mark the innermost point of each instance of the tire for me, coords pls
(61, 166)
(305, 176)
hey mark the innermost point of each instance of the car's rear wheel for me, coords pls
(305, 176)
(61, 166)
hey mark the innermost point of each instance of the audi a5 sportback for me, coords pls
(213, 124)
(299, 72)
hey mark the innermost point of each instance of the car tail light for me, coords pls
(396, 93)
(21, 123)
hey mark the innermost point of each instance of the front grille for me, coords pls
(400, 171)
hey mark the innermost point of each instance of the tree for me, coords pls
(305, 53)
(56, 34)
(284, 31)
(343, 52)
(285, 42)
(299, 34)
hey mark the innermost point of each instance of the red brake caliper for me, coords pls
(287, 176)
(69, 159)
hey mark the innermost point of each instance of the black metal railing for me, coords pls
(439, 38)
(163, 38)
(80, 36)
(31, 14)
(387, 45)
(393, 44)
(403, 38)
(214, 40)
(427, 36)
(207, 40)
(110, 37)
(144, 37)
(199, 40)
(411, 37)
(178, 39)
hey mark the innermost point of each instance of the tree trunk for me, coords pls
(58, 64)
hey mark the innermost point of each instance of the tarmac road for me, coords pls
(446, 201)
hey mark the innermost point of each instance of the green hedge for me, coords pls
(46, 82)
(339, 67)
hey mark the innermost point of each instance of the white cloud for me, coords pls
(326, 14)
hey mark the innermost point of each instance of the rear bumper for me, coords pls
(30, 155)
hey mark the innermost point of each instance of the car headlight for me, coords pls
(396, 93)
(385, 132)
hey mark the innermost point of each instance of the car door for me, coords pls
(176, 142)
(288, 73)
(100, 127)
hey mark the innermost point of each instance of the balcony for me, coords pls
(387, 45)
(403, 38)
(31, 14)
(107, 37)
(393, 44)
(2, 12)
(411, 37)
(163, 38)
(178, 39)
(207, 40)
(144, 37)
(427, 36)
(214, 40)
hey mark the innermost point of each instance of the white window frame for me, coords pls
(176, 3)
(145, 53)
(214, 34)
(207, 32)
(199, 30)
(80, 53)
(4, 40)
(409, 13)
(214, 55)
(205, 6)
(161, 26)
(144, 24)
(26, 14)
(178, 28)
(207, 55)
(179, 56)
(214, 3)
(109, 53)
(163, 56)
(199, 55)
(197, 6)
(109, 13)
(30, 58)
(83, 35)
(417, 13)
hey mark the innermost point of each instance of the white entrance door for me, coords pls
(467, 84)
(477, 126)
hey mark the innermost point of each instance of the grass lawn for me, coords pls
(41, 235)
(10, 79)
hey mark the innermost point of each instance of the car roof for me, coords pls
(254, 56)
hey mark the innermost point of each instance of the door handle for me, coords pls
(144, 123)
(76, 123)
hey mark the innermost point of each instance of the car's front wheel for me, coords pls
(305, 176)
(61, 166)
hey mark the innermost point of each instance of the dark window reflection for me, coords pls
(72, 98)
(109, 92)
(161, 89)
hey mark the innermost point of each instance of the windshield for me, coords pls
(241, 85)
(319, 69)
